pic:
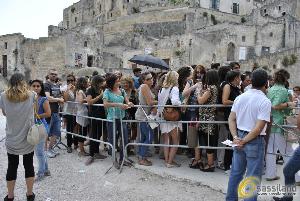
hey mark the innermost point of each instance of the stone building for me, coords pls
(107, 33)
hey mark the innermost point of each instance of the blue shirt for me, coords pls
(41, 110)
(114, 112)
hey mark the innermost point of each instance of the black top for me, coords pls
(234, 92)
(54, 90)
(95, 111)
(130, 113)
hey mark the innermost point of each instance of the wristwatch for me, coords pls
(235, 137)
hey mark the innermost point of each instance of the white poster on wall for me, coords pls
(148, 50)
(242, 53)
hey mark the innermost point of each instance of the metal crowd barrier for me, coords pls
(113, 146)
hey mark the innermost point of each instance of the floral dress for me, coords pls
(208, 113)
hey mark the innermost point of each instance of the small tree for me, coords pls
(285, 62)
(293, 59)
(205, 14)
(213, 19)
(243, 20)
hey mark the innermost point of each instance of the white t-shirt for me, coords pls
(251, 106)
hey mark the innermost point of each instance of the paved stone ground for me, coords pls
(72, 180)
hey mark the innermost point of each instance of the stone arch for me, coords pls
(231, 52)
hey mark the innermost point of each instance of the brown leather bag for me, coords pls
(171, 113)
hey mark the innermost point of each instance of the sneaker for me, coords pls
(89, 161)
(39, 178)
(273, 179)
(50, 154)
(227, 172)
(99, 156)
(55, 152)
(47, 173)
(30, 197)
(69, 149)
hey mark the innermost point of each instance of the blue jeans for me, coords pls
(42, 158)
(146, 137)
(290, 169)
(250, 158)
(118, 131)
(55, 125)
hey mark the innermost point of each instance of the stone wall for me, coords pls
(10, 46)
(273, 62)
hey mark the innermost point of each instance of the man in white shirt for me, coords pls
(248, 120)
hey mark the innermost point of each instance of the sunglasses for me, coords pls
(150, 78)
(54, 74)
(70, 80)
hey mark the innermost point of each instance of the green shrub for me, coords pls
(205, 14)
(243, 20)
(293, 59)
(285, 62)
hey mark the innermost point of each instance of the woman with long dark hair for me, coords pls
(208, 137)
(230, 90)
(82, 122)
(116, 102)
(95, 96)
(17, 104)
(43, 111)
(70, 108)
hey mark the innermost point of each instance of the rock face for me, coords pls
(107, 33)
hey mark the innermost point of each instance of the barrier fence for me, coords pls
(125, 145)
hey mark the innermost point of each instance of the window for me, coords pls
(68, 24)
(265, 10)
(111, 15)
(85, 44)
(75, 19)
(5, 45)
(243, 38)
(279, 8)
(215, 4)
(235, 8)
(271, 34)
(100, 8)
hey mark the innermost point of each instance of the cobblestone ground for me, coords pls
(72, 180)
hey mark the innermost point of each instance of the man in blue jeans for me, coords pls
(248, 120)
(289, 171)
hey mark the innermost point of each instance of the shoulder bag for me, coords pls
(171, 113)
(37, 131)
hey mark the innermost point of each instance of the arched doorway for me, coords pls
(230, 52)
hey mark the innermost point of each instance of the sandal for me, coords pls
(8, 199)
(196, 165)
(208, 168)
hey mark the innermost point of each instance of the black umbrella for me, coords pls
(151, 61)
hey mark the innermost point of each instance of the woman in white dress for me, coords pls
(170, 130)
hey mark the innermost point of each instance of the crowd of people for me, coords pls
(136, 97)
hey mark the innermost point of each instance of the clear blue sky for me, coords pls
(31, 17)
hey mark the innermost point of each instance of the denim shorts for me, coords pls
(55, 125)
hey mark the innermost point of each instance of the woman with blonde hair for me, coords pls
(170, 130)
(17, 105)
